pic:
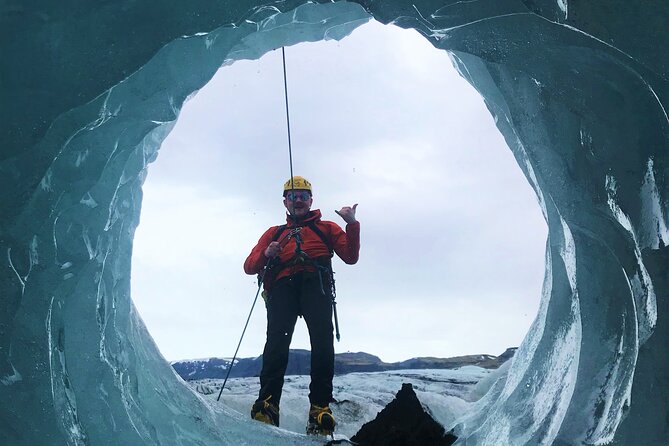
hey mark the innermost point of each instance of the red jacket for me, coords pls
(345, 244)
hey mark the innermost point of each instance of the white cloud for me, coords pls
(184, 220)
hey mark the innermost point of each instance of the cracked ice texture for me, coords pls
(579, 92)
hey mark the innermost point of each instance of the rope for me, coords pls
(232, 363)
(290, 147)
(292, 188)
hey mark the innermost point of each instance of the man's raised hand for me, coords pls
(348, 213)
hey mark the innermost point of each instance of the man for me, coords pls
(294, 261)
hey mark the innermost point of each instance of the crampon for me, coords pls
(321, 421)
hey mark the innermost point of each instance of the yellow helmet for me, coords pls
(299, 183)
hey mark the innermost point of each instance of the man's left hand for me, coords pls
(348, 213)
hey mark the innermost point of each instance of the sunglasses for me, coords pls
(298, 195)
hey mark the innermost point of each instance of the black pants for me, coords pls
(299, 294)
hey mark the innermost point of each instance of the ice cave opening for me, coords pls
(579, 92)
(462, 250)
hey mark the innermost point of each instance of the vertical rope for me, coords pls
(234, 357)
(290, 147)
(292, 188)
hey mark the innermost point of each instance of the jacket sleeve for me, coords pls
(256, 261)
(346, 244)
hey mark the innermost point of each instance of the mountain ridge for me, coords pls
(299, 363)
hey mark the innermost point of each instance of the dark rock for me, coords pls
(358, 362)
(508, 354)
(404, 422)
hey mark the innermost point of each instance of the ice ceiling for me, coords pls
(579, 90)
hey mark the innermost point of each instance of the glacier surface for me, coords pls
(89, 90)
(360, 396)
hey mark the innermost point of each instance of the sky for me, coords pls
(452, 235)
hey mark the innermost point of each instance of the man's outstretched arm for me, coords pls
(347, 244)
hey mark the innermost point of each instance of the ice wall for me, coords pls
(89, 91)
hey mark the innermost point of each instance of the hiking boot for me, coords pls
(321, 421)
(265, 411)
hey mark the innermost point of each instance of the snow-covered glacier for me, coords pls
(88, 90)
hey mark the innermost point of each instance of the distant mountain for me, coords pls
(299, 362)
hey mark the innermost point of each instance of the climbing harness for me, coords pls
(322, 265)
(300, 256)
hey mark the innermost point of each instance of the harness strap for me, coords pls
(322, 264)
(278, 232)
(311, 225)
(314, 227)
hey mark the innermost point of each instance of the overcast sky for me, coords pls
(452, 237)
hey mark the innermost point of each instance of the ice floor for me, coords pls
(447, 394)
